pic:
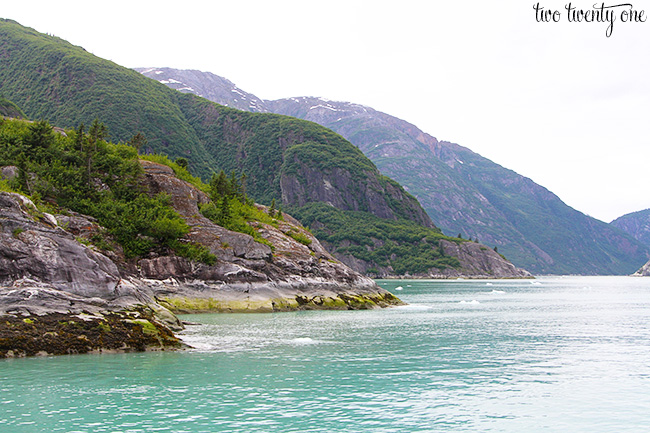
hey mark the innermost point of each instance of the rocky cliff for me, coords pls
(251, 276)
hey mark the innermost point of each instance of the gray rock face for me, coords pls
(44, 269)
(248, 274)
(340, 188)
(8, 172)
(33, 245)
(479, 261)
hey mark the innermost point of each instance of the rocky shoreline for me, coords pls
(65, 334)
(61, 294)
(40, 320)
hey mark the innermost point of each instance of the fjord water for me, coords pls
(552, 354)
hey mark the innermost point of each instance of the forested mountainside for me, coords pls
(636, 224)
(460, 190)
(296, 164)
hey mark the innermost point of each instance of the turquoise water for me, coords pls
(553, 355)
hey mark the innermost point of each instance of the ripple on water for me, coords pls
(542, 358)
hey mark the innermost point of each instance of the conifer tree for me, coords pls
(272, 209)
(219, 185)
(138, 141)
(182, 162)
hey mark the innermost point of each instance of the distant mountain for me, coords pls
(636, 224)
(303, 167)
(212, 87)
(464, 192)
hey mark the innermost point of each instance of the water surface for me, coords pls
(552, 354)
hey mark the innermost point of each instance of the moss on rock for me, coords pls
(61, 334)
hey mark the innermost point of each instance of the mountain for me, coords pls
(212, 87)
(306, 168)
(464, 192)
(636, 224)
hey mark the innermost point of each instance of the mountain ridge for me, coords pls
(468, 194)
(287, 160)
(636, 224)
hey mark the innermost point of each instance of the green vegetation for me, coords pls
(86, 174)
(231, 208)
(9, 109)
(531, 226)
(300, 237)
(54, 80)
(5, 186)
(405, 246)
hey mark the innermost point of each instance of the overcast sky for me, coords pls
(560, 103)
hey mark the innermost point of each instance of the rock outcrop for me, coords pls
(33, 245)
(250, 276)
(50, 277)
(478, 261)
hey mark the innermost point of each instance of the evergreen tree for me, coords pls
(224, 209)
(182, 162)
(79, 137)
(97, 132)
(219, 186)
(40, 136)
(272, 209)
(138, 141)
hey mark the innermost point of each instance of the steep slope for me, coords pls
(636, 224)
(294, 162)
(466, 193)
